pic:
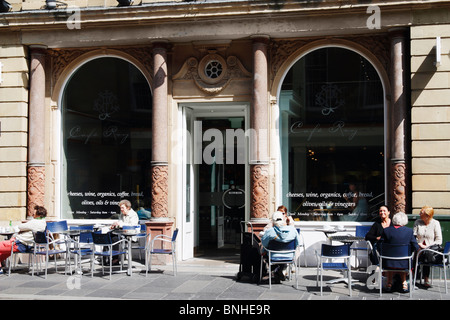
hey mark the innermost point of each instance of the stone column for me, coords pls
(159, 222)
(36, 130)
(259, 157)
(398, 183)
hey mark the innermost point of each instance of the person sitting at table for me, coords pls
(376, 230)
(127, 217)
(23, 240)
(287, 219)
(282, 233)
(398, 233)
(428, 232)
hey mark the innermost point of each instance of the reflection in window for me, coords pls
(332, 137)
(106, 119)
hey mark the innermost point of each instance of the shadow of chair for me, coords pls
(340, 253)
(169, 249)
(397, 252)
(442, 265)
(280, 253)
(104, 240)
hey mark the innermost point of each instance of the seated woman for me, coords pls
(23, 240)
(428, 232)
(374, 235)
(398, 234)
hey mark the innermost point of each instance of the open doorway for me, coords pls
(215, 180)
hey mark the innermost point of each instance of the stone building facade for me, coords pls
(101, 101)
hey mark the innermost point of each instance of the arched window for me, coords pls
(332, 136)
(106, 139)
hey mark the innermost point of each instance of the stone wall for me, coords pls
(430, 118)
(14, 127)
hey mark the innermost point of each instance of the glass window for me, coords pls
(332, 137)
(106, 125)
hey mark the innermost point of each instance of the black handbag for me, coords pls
(430, 257)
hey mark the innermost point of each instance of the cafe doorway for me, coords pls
(215, 176)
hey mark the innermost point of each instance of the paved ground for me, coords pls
(197, 279)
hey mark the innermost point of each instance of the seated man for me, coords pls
(283, 233)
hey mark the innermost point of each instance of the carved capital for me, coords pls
(259, 175)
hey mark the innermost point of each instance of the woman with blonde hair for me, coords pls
(428, 232)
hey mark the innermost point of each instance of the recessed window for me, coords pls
(332, 137)
(106, 144)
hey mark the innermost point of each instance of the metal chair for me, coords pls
(169, 251)
(389, 251)
(302, 245)
(12, 258)
(82, 244)
(104, 240)
(442, 266)
(342, 253)
(280, 253)
(42, 247)
(361, 231)
(142, 235)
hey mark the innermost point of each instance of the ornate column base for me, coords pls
(259, 201)
(35, 187)
(398, 176)
(160, 176)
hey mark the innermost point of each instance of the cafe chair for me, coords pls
(167, 246)
(43, 244)
(13, 257)
(340, 260)
(389, 251)
(442, 266)
(361, 246)
(280, 253)
(302, 246)
(104, 240)
(82, 244)
(141, 235)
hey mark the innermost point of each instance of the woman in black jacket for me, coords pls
(375, 232)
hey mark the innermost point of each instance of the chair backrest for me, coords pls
(361, 231)
(86, 237)
(175, 234)
(101, 238)
(40, 237)
(281, 246)
(57, 226)
(87, 227)
(447, 247)
(395, 250)
(335, 251)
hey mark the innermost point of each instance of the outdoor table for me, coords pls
(7, 234)
(347, 239)
(128, 234)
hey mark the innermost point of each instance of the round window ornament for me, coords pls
(212, 68)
